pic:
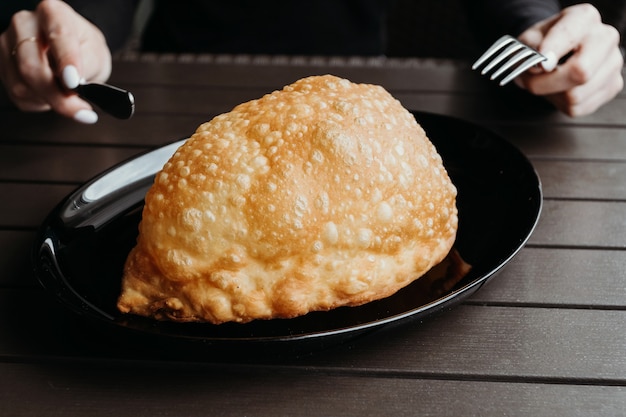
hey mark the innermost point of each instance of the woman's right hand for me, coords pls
(592, 76)
(46, 53)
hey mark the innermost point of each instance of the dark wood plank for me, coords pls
(583, 224)
(274, 72)
(555, 344)
(561, 179)
(68, 164)
(33, 324)
(191, 100)
(490, 103)
(74, 389)
(234, 71)
(15, 262)
(165, 115)
(478, 108)
(27, 205)
(599, 180)
(147, 129)
(565, 142)
(211, 100)
(560, 277)
(469, 341)
(545, 337)
(142, 130)
(483, 110)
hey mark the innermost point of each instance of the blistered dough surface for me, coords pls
(323, 194)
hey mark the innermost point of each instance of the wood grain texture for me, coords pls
(471, 341)
(58, 164)
(584, 143)
(545, 337)
(582, 224)
(15, 262)
(560, 277)
(124, 389)
(27, 205)
(583, 180)
(142, 130)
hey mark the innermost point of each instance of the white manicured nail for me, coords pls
(550, 63)
(85, 116)
(71, 79)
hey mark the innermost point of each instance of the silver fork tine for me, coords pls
(515, 59)
(523, 67)
(508, 54)
(502, 56)
(499, 44)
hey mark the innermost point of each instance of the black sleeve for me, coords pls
(113, 17)
(494, 18)
(9, 7)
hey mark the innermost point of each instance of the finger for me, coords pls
(586, 98)
(26, 55)
(74, 107)
(565, 34)
(589, 106)
(597, 53)
(23, 25)
(68, 105)
(33, 87)
(19, 92)
(533, 37)
(599, 48)
(57, 24)
(26, 99)
(25, 62)
(551, 61)
(28, 77)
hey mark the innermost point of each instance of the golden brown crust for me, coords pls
(323, 194)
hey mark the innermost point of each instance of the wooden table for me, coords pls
(547, 337)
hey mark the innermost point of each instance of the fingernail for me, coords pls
(85, 116)
(71, 79)
(550, 63)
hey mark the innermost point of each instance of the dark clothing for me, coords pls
(514, 16)
(325, 27)
(320, 27)
(510, 17)
(113, 17)
(9, 7)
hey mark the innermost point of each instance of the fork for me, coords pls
(508, 58)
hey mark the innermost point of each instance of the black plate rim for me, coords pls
(431, 307)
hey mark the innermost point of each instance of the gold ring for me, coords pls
(17, 45)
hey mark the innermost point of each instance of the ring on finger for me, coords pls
(20, 43)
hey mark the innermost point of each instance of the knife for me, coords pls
(117, 102)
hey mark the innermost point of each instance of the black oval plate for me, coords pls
(81, 248)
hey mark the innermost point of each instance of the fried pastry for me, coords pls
(324, 194)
